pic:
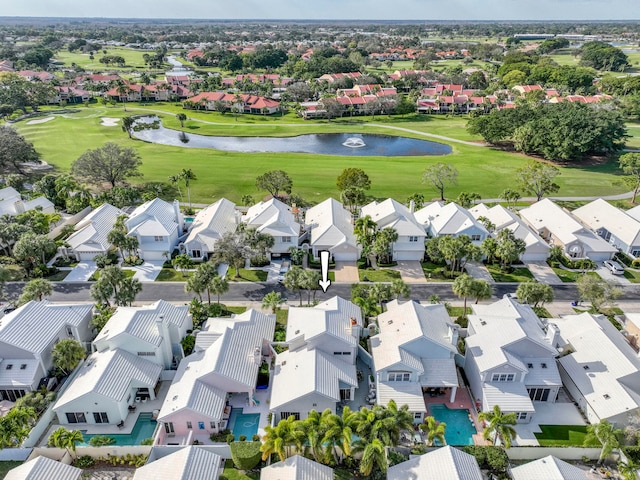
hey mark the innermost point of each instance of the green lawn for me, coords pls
(16, 273)
(6, 466)
(562, 435)
(570, 276)
(248, 276)
(231, 175)
(381, 275)
(127, 274)
(542, 312)
(133, 59)
(457, 311)
(632, 275)
(282, 316)
(232, 473)
(172, 275)
(58, 276)
(519, 274)
(237, 310)
(436, 273)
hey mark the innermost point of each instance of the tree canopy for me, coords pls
(110, 163)
(603, 56)
(14, 150)
(440, 175)
(274, 182)
(537, 178)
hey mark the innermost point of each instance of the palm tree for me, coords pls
(181, 118)
(218, 285)
(380, 292)
(382, 245)
(67, 354)
(402, 420)
(127, 124)
(605, 433)
(67, 439)
(314, 427)
(628, 469)
(311, 279)
(367, 304)
(294, 280)
(435, 430)
(35, 289)
(482, 290)
(500, 425)
(194, 284)
(187, 175)
(272, 300)
(279, 439)
(129, 288)
(364, 229)
(182, 262)
(399, 288)
(175, 180)
(373, 454)
(339, 434)
(123, 90)
(463, 288)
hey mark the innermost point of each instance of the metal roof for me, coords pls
(446, 463)
(296, 468)
(548, 468)
(391, 213)
(272, 217)
(403, 393)
(92, 231)
(189, 463)
(509, 396)
(155, 217)
(601, 214)
(449, 219)
(43, 468)
(211, 223)
(330, 224)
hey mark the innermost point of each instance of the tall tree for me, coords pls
(435, 430)
(278, 440)
(274, 182)
(35, 289)
(535, 293)
(339, 434)
(440, 175)
(463, 288)
(510, 196)
(499, 425)
(183, 263)
(181, 117)
(606, 434)
(630, 165)
(110, 163)
(600, 293)
(234, 250)
(353, 178)
(272, 301)
(365, 229)
(399, 289)
(537, 178)
(14, 151)
(188, 176)
(129, 288)
(67, 354)
(127, 125)
(509, 248)
(218, 285)
(481, 290)
(67, 439)
(295, 280)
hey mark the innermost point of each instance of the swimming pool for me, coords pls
(243, 423)
(143, 428)
(459, 427)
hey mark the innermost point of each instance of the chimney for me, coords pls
(356, 330)
(412, 206)
(165, 342)
(257, 356)
(237, 215)
(19, 206)
(553, 335)
(178, 215)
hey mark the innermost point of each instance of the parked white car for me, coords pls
(614, 267)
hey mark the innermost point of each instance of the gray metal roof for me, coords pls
(548, 468)
(296, 468)
(446, 463)
(43, 468)
(212, 222)
(92, 231)
(189, 463)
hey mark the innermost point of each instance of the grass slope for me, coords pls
(231, 175)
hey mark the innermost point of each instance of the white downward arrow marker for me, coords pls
(324, 264)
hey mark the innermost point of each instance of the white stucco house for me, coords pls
(226, 359)
(536, 249)
(296, 468)
(331, 227)
(188, 463)
(413, 353)
(411, 235)
(43, 468)
(558, 227)
(11, 203)
(274, 217)
(90, 236)
(440, 219)
(27, 337)
(446, 463)
(157, 225)
(151, 331)
(602, 371)
(208, 227)
(615, 226)
(510, 358)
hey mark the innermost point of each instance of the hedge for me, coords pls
(246, 455)
(490, 457)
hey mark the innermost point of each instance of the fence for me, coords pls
(94, 452)
(163, 450)
(563, 453)
(69, 221)
(14, 454)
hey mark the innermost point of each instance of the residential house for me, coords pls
(333, 77)
(413, 353)
(70, 95)
(209, 225)
(536, 249)
(411, 235)
(440, 219)
(26, 356)
(446, 463)
(11, 203)
(548, 468)
(600, 369)
(188, 463)
(157, 225)
(558, 227)
(274, 218)
(151, 331)
(319, 368)
(510, 358)
(240, 103)
(6, 66)
(226, 359)
(43, 468)
(296, 468)
(331, 227)
(612, 224)
(31, 75)
(90, 236)
(105, 386)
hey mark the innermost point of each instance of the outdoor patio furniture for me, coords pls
(121, 424)
(132, 408)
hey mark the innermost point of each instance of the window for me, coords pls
(201, 425)
(337, 353)
(9, 367)
(417, 415)
(77, 417)
(539, 394)
(413, 239)
(158, 238)
(475, 238)
(168, 428)
(345, 394)
(503, 377)
(146, 354)
(196, 253)
(635, 253)
(11, 395)
(399, 376)
(100, 417)
(285, 415)
(521, 415)
(189, 425)
(129, 398)
(286, 239)
(69, 332)
(212, 424)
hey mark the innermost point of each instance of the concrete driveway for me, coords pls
(148, 271)
(81, 272)
(346, 272)
(479, 272)
(544, 273)
(605, 273)
(411, 272)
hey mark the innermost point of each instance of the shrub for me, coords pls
(147, 441)
(243, 438)
(85, 461)
(633, 453)
(624, 259)
(463, 321)
(216, 310)
(497, 459)
(255, 438)
(188, 342)
(636, 263)
(260, 261)
(396, 457)
(246, 455)
(230, 438)
(479, 452)
(101, 441)
(221, 436)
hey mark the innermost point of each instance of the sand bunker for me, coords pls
(109, 122)
(40, 120)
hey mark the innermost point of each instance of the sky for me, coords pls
(331, 9)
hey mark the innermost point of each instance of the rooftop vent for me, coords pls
(529, 365)
(297, 332)
(606, 396)
(23, 366)
(586, 367)
(9, 367)
(389, 322)
(543, 365)
(175, 397)
(284, 363)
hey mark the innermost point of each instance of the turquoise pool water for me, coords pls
(459, 428)
(243, 423)
(143, 428)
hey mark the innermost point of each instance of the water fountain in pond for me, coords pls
(354, 142)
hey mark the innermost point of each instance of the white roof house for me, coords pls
(90, 237)
(508, 355)
(296, 468)
(43, 468)
(274, 217)
(612, 224)
(450, 219)
(156, 329)
(189, 463)
(415, 348)
(25, 356)
(548, 468)
(411, 235)
(157, 225)
(208, 227)
(536, 249)
(446, 463)
(11, 203)
(603, 372)
(331, 228)
(559, 227)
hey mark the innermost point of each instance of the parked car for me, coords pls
(614, 267)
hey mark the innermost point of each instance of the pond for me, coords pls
(345, 144)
